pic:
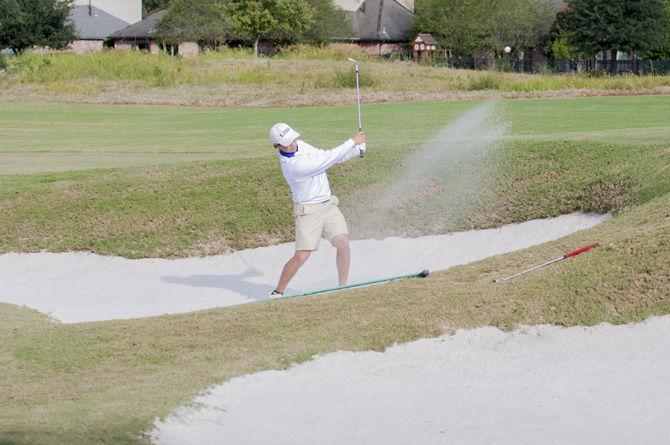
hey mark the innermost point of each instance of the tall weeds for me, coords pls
(299, 67)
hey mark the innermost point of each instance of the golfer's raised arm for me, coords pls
(327, 158)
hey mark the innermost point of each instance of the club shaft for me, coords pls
(358, 100)
(349, 286)
(567, 255)
(529, 270)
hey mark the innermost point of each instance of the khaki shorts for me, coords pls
(316, 221)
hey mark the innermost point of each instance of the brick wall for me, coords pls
(85, 46)
(380, 49)
(123, 45)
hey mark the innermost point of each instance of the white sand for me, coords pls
(536, 385)
(81, 287)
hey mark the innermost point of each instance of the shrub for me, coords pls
(156, 70)
(486, 81)
(347, 79)
(333, 51)
(3, 62)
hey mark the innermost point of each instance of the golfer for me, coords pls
(315, 209)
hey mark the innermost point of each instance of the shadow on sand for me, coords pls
(235, 283)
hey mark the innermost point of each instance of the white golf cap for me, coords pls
(283, 134)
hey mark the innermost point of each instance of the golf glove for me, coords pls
(361, 149)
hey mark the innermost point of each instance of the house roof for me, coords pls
(426, 38)
(143, 29)
(382, 21)
(93, 23)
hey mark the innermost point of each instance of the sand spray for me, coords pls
(437, 186)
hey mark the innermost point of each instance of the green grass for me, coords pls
(68, 137)
(565, 161)
(106, 382)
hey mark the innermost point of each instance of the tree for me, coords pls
(556, 43)
(28, 23)
(470, 26)
(455, 24)
(328, 22)
(560, 49)
(662, 51)
(520, 24)
(276, 20)
(11, 20)
(203, 21)
(151, 6)
(614, 25)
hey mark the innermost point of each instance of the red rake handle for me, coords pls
(578, 251)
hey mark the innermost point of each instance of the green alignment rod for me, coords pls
(424, 273)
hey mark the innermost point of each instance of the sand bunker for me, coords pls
(81, 287)
(606, 384)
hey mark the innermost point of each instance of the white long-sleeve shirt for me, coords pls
(305, 171)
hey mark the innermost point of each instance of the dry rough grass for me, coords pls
(302, 78)
(275, 96)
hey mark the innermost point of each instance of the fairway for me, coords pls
(162, 181)
(43, 138)
(73, 137)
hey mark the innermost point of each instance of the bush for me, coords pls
(3, 62)
(347, 79)
(486, 81)
(156, 70)
(333, 51)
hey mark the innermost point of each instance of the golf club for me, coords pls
(423, 274)
(567, 255)
(358, 101)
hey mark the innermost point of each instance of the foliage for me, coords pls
(346, 78)
(151, 6)
(329, 52)
(662, 51)
(28, 23)
(614, 25)
(213, 22)
(204, 21)
(467, 27)
(276, 20)
(154, 69)
(328, 22)
(521, 24)
(456, 24)
(556, 44)
(561, 49)
(3, 62)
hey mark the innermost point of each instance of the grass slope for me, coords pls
(559, 157)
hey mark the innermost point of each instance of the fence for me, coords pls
(637, 66)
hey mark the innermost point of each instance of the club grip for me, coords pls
(578, 251)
